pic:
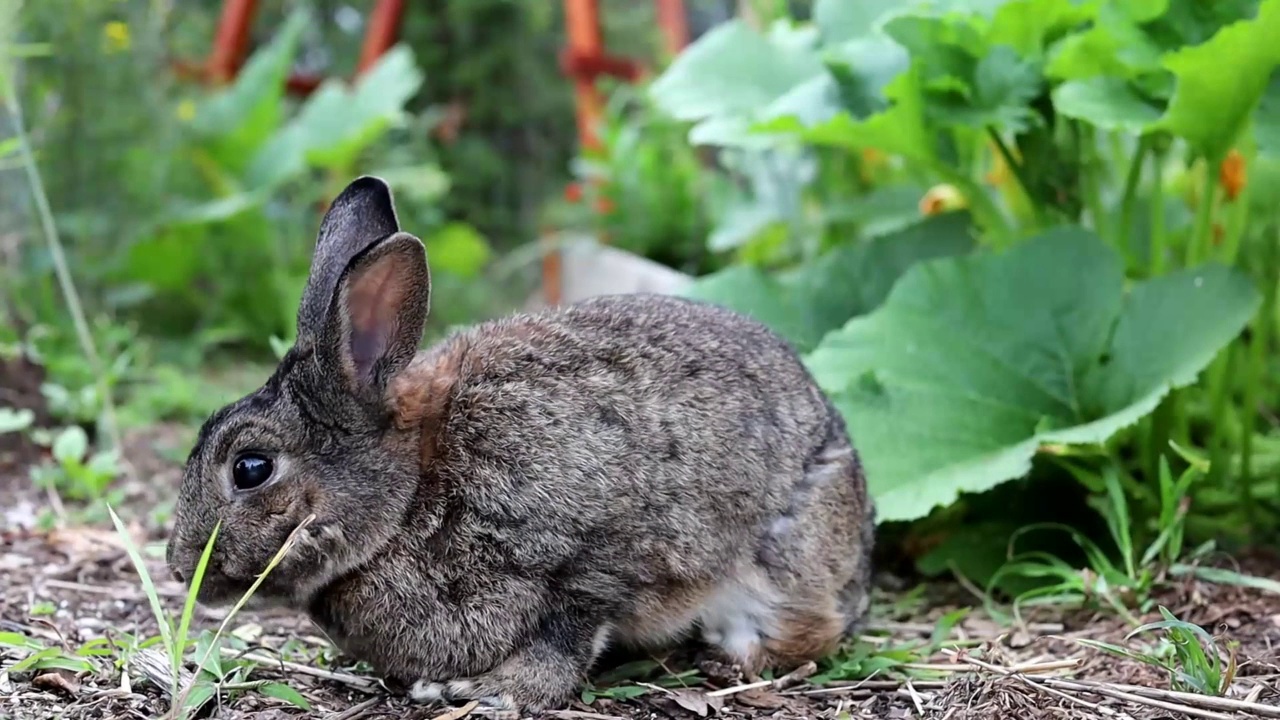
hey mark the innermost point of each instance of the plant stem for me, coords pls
(1199, 247)
(63, 272)
(1019, 173)
(1261, 351)
(1089, 162)
(1130, 189)
(1219, 387)
(1158, 240)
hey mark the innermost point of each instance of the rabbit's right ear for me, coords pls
(360, 216)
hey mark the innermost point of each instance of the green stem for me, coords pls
(1219, 387)
(1089, 163)
(1019, 173)
(1261, 347)
(1130, 189)
(62, 270)
(1159, 242)
(1200, 246)
(1236, 224)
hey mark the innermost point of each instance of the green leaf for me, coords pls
(839, 21)
(283, 692)
(1211, 107)
(238, 120)
(899, 130)
(1028, 26)
(15, 420)
(458, 248)
(807, 302)
(973, 362)
(337, 122)
(71, 445)
(731, 69)
(1109, 103)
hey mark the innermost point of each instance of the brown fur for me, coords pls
(490, 513)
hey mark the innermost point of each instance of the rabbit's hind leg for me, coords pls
(808, 586)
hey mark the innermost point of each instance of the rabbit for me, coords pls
(494, 512)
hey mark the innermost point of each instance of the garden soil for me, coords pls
(81, 576)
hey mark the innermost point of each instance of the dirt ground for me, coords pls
(82, 578)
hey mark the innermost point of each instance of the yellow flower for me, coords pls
(186, 110)
(942, 198)
(116, 34)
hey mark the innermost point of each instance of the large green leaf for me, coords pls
(807, 302)
(973, 362)
(729, 71)
(236, 121)
(1110, 103)
(1221, 81)
(338, 121)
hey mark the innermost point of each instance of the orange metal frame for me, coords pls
(584, 60)
(231, 44)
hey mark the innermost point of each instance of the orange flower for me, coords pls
(604, 205)
(1231, 174)
(573, 192)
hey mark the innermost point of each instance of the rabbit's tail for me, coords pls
(809, 586)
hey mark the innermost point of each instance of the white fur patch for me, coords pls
(600, 642)
(427, 692)
(739, 614)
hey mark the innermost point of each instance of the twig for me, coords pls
(1034, 667)
(1155, 697)
(356, 711)
(459, 712)
(580, 715)
(355, 681)
(915, 698)
(63, 272)
(788, 680)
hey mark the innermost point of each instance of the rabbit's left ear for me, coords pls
(361, 215)
(377, 314)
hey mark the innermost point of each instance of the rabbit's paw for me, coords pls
(425, 691)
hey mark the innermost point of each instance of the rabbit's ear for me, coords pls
(360, 216)
(377, 314)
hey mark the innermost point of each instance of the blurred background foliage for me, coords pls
(1029, 247)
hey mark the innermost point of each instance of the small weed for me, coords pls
(76, 471)
(214, 675)
(1187, 652)
(1121, 580)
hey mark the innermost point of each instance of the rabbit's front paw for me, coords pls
(425, 691)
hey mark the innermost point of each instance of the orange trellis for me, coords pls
(582, 61)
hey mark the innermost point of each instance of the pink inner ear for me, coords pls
(374, 298)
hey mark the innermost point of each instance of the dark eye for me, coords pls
(251, 470)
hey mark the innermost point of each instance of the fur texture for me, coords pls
(492, 513)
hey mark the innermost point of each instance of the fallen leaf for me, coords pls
(693, 701)
(81, 543)
(762, 699)
(1275, 620)
(459, 712)
(57, 680)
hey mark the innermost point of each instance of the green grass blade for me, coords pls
(149, 589)
(188, 609)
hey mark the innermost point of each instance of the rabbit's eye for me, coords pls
(251, 470)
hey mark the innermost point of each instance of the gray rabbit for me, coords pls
(492, 513)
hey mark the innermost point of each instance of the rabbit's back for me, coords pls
(646, 442)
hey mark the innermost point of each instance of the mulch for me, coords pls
(84, 572)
